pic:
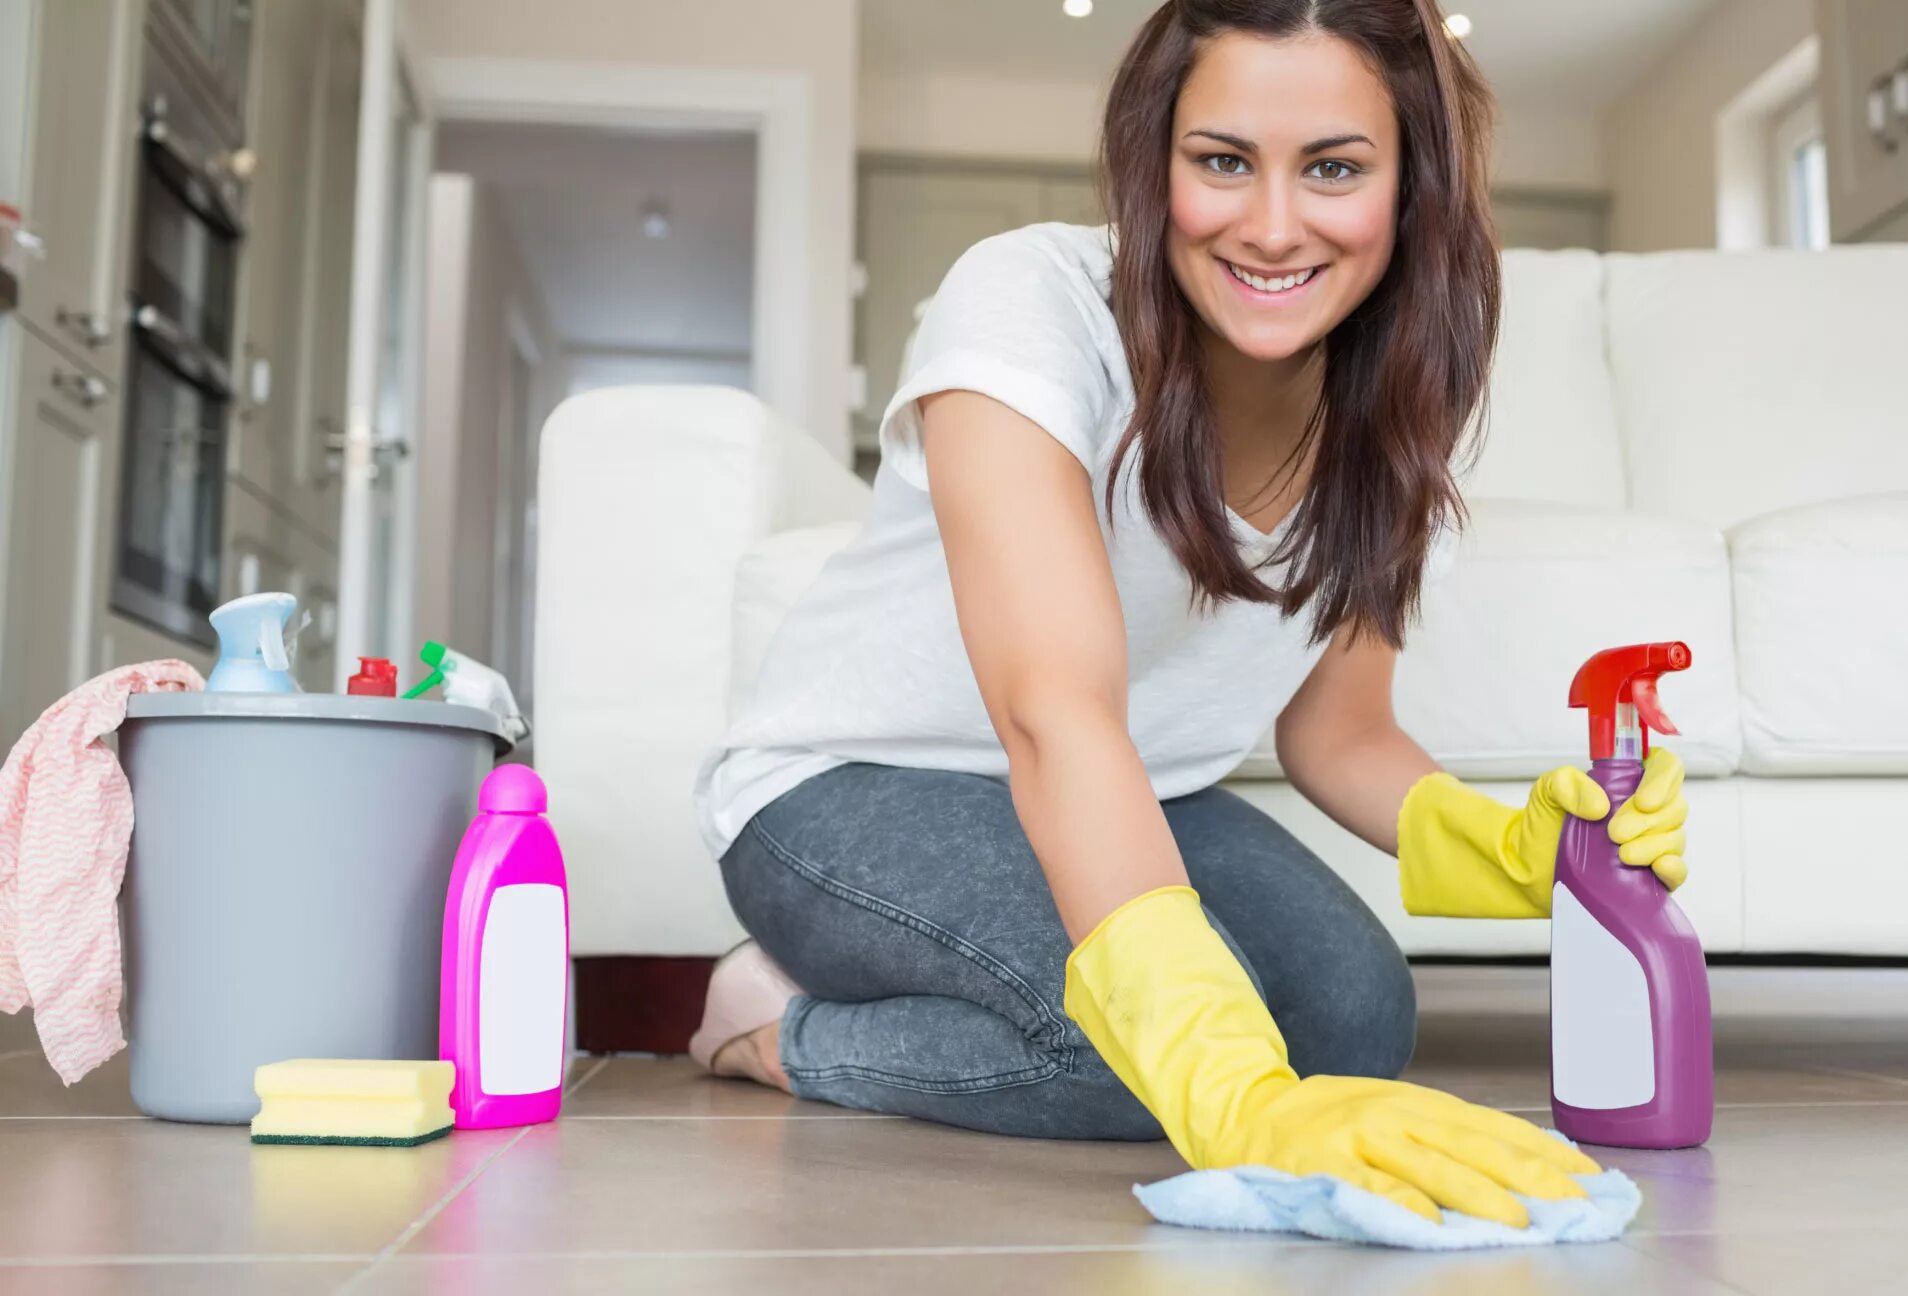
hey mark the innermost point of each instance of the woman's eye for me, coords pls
(1345, 172)
(1224, 163)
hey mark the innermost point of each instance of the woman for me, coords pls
(972, 810)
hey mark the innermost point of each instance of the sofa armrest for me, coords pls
(647, 497)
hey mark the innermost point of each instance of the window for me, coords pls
(1798, 171)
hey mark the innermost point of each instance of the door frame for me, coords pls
(774, 106)
(389, 67)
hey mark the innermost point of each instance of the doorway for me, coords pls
(563, 258)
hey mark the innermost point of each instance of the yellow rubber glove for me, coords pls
(1177, 1019)
(1648, 828)
(1462, 854)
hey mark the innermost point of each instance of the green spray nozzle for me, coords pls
(432, 655)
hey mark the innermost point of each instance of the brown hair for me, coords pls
(1403, 372)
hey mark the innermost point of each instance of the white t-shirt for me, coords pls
(869, 665)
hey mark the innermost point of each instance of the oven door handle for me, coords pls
(207, 195)
(190, 358)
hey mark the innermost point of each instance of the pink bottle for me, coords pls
(504, 1000)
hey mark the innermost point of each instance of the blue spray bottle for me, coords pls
(252, 655)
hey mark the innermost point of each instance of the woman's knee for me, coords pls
(1365, 1022)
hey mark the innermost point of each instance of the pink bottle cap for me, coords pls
(513, 789)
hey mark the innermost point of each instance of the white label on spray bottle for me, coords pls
(1602, 1056)
(520, 991)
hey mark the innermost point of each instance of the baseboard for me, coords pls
(639, 1004)
(1879, 993)
(652, 1004)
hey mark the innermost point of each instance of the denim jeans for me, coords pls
(910, 908)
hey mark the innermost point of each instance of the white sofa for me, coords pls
(1699, 446)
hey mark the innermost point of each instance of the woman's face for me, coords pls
(1285, 162)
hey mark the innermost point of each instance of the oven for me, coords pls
(186, 243)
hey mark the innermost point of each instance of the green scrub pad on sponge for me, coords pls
(363, 1103)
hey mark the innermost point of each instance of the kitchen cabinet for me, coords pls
(325, 279)
(59, 423)
(76, 207)
(265, 434)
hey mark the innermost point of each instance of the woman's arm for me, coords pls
(1463, 853)
(1340, 745)
(1040, 617)
(1150, 982)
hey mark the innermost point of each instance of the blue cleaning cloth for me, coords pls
(1261, 1199)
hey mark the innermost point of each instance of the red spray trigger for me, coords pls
(1619, 676)
(1643, 693)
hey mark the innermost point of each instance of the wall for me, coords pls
(817, 38)
(476, 283)
(574, 199)
(595, 368)
(1660, 137)
(938, 115)
(16, 38)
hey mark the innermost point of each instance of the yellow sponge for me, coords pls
(329, 1100)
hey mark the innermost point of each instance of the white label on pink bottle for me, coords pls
(520, 991)
(1602, 1056)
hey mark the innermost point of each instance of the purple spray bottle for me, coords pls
(1630, 1052)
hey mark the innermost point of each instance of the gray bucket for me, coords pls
(284, 896)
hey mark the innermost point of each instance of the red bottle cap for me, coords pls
(1626, 675)
(376, 677)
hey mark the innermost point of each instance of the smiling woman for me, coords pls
(1310, 180)
(970, 812)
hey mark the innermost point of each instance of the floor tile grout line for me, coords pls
(586, 1077)
(1883, 1077)
(1728, 1106)
(176, 1258)
(857, 1116)
(1860, 1226)
(74, 1118)
(10, 1054)
(1266, 1241)
(418, 1225)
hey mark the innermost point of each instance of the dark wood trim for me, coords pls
(639, 1004)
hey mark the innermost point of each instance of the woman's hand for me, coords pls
(1648, 828)
(1463, 854)
(1418, 1147)
(1172, 1012)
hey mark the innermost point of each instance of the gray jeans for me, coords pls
(910, 908)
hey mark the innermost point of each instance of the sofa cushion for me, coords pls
(1758, 381)
(1483, 683)
(1551, 432)
(1823, 632)
(771, 574)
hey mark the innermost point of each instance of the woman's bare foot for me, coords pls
(756, 1056)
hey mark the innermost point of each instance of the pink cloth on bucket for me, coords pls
(66, 817)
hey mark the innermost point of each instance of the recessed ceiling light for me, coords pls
(1458, 25)
(1076, 8)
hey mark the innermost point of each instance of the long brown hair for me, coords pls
(1404, 372)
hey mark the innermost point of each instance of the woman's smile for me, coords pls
(1266, 288)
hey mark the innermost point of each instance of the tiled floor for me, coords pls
(660, 1180)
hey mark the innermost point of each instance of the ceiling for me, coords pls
(1560, 54)
(573, 199)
